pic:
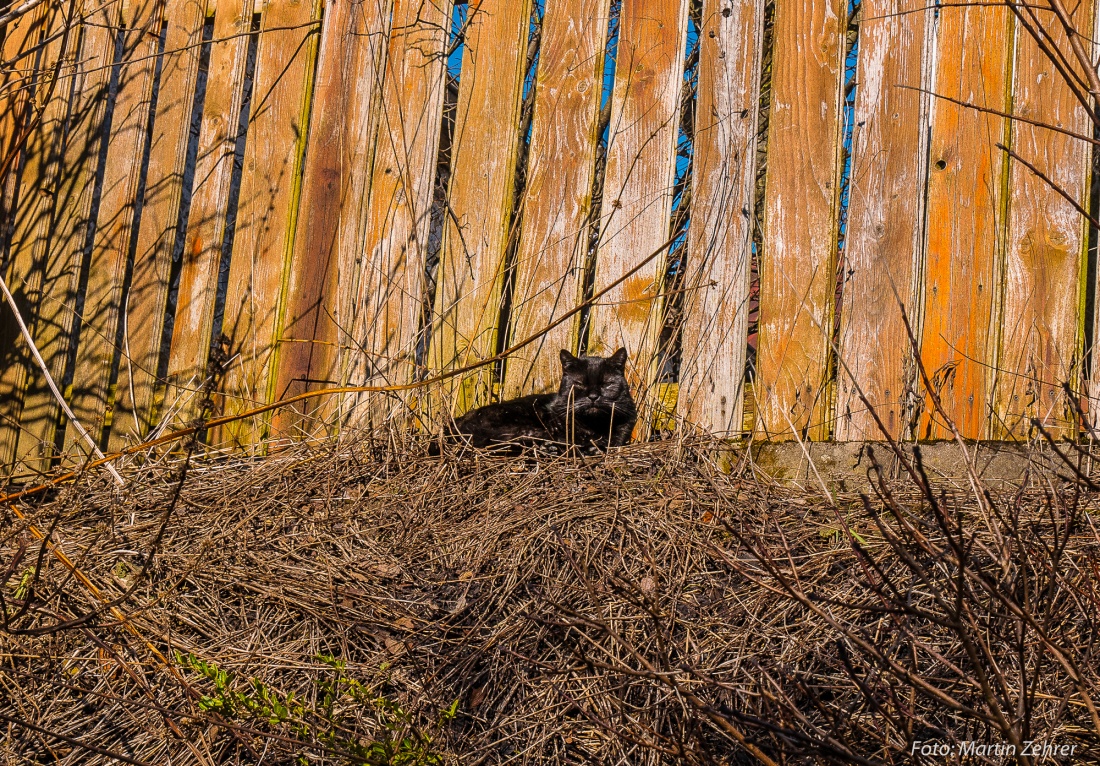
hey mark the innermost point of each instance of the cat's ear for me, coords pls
(618, 359)
(568, 361)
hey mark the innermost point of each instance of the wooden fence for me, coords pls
(374, 193)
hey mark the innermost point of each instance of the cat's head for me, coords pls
(594, 385)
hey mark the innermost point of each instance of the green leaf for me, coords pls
(450, 712)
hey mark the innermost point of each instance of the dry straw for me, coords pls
(640, 607)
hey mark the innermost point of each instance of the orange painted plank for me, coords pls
(202, 251)
(335, 186)
(17, 86)
(91, 397)
(145, 304)
(471, 269)
(17, 89)
(719, 251)
(549, 268)
(637, 190)
(380, 302)
(884, 240)
(965, 218)
(1045, 257)
(51, 227)
(798, 263)
(266, 213)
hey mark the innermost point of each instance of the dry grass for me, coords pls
(642, 607)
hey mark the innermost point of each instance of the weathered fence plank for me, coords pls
(335, 188)
(884, 240)
(206, 224)
(471, 268)
(637, 190)
(53, 220)
(550, 262)
(719, 251)
(380, 301)
(145, 305)
(965, 218)
(266, 214)
(1090, 401)
(798, 264)
(1041, 335)
(97, 341)
(18, 87)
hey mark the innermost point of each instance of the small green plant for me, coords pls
(24, 586)
(259, 702)
(403, 742)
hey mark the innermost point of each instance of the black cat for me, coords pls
(593, 409)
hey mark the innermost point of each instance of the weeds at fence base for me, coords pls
(353, 603)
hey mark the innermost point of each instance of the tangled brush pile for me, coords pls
(365, 603)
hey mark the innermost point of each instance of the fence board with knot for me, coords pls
(805, 220)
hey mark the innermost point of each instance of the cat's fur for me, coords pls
(592, 409)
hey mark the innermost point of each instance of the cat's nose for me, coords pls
(593, 397)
